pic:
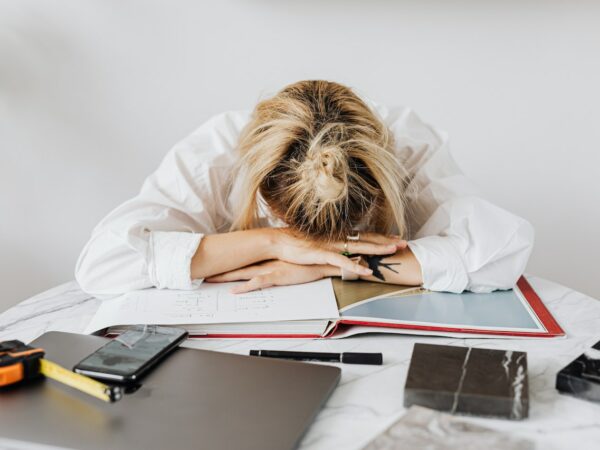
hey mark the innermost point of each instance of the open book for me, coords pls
(331, 308)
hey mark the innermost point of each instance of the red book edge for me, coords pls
(552, 327)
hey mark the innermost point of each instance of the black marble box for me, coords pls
(581, 378)
(464, 380)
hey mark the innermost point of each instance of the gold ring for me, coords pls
(354, 238)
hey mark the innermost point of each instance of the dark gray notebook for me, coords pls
(194, 399)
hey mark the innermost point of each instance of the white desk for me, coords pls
(369, 398)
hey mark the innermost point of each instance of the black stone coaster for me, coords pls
(472, 381)
(581, 378)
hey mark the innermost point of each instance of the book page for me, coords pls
(212, 303)
(348, 293)
(498, 310)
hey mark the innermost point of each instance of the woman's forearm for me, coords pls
(399, 268)
(219, 253)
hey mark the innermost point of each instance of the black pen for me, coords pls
(346, 357)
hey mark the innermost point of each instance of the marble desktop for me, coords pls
(369, 399)
(423, 428)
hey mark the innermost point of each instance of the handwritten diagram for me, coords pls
(213, 303)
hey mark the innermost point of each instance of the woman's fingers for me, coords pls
(245, 273)
(284, 274)
(372, 244)
(343, 262)
(365, 248)
(377, 238)
(368, 248)
(258, 282)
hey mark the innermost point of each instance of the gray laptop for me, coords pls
(195, 399)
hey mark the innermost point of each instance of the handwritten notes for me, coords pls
(212, 303)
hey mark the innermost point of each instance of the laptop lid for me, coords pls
(194, 399)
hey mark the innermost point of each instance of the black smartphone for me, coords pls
(129, 356)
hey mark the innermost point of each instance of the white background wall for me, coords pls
(93, 93)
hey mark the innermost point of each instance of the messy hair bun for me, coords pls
(324, 171)
(322, 161)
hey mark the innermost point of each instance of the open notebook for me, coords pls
(333, 309)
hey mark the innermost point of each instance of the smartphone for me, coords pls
(129, 356)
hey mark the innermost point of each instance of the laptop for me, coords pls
(194, 399)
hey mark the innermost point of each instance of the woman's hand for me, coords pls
(224, 252)
(274, 273)
(297, 250)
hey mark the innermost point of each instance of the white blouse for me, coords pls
(461, 241)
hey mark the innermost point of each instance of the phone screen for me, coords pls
(129, 354)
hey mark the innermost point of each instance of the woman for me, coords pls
(284, 194)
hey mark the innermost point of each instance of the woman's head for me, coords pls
(322, 161)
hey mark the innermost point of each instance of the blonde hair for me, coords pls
(322, 161)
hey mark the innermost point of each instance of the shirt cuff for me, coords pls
(441, 265)
(170, 257)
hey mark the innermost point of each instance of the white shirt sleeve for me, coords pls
(461, 241)
(150, 240)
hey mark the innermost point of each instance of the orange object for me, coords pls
(18, 362)
(11, 374)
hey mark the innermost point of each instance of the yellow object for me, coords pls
(80, 382)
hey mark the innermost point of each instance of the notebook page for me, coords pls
(212, 303)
